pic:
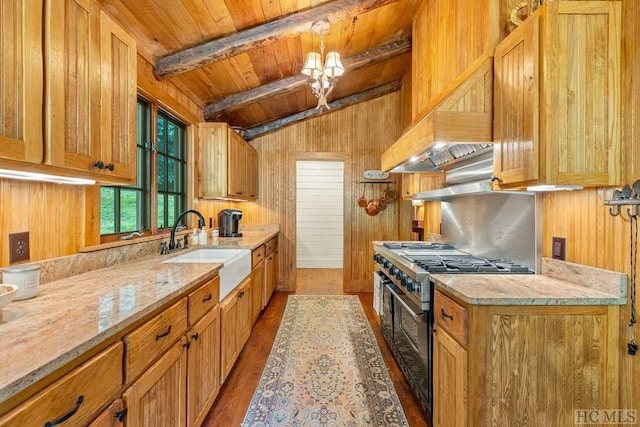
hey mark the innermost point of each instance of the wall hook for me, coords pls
(627, 196)
(615, 211)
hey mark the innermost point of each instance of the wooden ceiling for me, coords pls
(240, 60)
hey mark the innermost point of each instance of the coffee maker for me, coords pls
(229, 223)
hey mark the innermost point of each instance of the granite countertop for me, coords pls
(561, 283)
(70, 316)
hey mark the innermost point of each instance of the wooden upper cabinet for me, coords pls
(119, 99)
(251, 177)
(414, 183)
(21, 134)
(90, 92)
(236, 165)
(557, 100)
(227, 164)
(516, 102)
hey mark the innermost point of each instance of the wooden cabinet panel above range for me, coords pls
(448, 36)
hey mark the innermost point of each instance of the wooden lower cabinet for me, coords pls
(235, 325)
(257, 284)
(523, 364)
(449, 383)
(152, 339)
(271, 270)
(78, 396)
(159, 396)
(203, 366)
(181, 386)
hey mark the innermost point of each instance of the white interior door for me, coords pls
(319, 214)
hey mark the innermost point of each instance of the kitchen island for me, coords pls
(526, 349)
(78, 317)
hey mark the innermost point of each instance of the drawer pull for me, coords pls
(66, 416)
(164, 334)
(444, 314)
(207, 298)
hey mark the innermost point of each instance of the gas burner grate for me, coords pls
(417, 245)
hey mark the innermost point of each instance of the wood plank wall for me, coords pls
(362, 132)
(593, 236)
(53, 214)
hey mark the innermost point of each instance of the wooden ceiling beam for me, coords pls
(259, 36)
(366, 95)
(289, 84)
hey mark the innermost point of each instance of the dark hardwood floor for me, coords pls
(236, 393)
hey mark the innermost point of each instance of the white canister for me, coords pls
(25, 277)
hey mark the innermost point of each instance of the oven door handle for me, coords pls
(421, 317)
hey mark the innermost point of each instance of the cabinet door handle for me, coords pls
(195, 336)
(207, 298)
(99, 164)
(66, 416)
(110, 167)
(241, 294)
(164, 334)
(444, 314)
(121, 415)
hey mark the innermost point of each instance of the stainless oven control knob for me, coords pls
(386, 263)
(398, 274)
(418, 287)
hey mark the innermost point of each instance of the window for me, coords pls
(124, 209)
(171, 170)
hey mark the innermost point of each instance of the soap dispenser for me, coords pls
(202, 237)
(194, 237)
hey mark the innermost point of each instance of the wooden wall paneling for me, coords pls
(51, 213)
(361, 132)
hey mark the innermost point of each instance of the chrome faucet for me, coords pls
(172, 238)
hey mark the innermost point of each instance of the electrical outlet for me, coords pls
(18, 247)
(559, 250)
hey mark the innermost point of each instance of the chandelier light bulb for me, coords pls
(323, 72)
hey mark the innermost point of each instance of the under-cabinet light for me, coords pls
(34, 176)
(554, 187)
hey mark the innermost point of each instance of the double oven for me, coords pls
(403, 272)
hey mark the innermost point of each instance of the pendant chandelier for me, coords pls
(323, 72)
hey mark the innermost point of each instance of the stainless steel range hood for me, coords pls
(468, 177)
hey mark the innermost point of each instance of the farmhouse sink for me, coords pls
(236, 265)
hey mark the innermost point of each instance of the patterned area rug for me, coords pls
(325, 369)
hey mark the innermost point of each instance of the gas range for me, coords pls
(409, 264)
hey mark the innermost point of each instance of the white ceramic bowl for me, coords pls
(7, 293)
